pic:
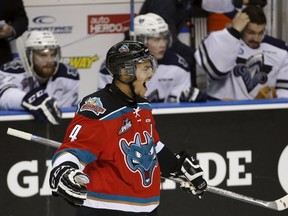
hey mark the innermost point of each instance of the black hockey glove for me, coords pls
(42, 107)
(189, 169)
(69, 183)
(192, 95)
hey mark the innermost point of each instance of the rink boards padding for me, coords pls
(239, 150)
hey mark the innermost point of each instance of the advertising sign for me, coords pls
(241, 151)
(85, 33)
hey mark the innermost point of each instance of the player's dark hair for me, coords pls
(256, 14)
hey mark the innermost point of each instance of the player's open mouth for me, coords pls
(144, 84)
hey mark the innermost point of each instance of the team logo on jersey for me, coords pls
(253, 71)
(14, 65)
(140, 157)
(94, 105)
(126, 125)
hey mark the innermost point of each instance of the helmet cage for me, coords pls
(144, 38)
(130, 66)
(117, 60)
(30, 53)
(42, 41)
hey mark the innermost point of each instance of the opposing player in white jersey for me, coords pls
(242, 63)
(227, 6)
(171, 82)
(43, 85)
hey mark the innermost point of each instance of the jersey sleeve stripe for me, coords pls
(6, 88)
(83, 155)
(208, 65)
(124, 199)
(124, 110)
(282, 84)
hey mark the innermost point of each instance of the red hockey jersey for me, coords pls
(115, 142)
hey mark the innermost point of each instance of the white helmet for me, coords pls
(38, 40)
(41, 40)
(150, 25)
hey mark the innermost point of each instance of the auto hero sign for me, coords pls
(106, 24)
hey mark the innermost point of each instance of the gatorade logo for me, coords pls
(283, 169)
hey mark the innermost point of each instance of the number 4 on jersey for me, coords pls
(74, 132)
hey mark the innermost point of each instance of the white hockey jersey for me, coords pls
(218, 6)
(170, 79)
(15, 82)
(238, 72)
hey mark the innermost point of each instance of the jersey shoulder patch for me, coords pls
(67, 71)
(105, 105)
(91, 107)
(172, 58)
(97, 105)
(275, 42)
(13, 67)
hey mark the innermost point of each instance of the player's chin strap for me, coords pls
(130, 84)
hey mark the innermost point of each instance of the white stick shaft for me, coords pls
(31, 137)
(22, 54)
(278, 205)
(20, 134)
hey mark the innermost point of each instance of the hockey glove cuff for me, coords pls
(69, 183)
(190, 169)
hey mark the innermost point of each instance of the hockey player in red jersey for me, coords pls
(111, 158)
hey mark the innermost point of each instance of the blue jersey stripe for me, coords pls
(83, 155)
(124, 199)
(124, 110)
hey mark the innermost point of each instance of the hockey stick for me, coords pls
(131, 32)
(22, 54)
(278, 205)
(33, 138)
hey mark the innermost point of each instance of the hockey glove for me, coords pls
(192, 95)
(69, 183)
(190, 169)
(42, 107)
